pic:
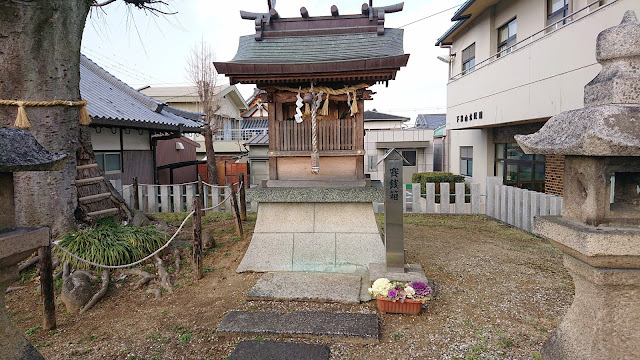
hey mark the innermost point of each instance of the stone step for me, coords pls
(323, 287)
(352, 326)
(271, 350)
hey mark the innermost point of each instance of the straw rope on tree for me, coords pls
(22, 120)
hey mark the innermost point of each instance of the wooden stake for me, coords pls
(46, 288)
(243, 199)
(197, 238)
(136, 200)
(201, 194)
(236, 212)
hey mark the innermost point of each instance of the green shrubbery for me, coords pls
(110, 243)
(438, 177)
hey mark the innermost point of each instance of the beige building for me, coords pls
(228, 140)
(512, 65)
(385, 131)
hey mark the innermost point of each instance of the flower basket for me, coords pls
(409, 306)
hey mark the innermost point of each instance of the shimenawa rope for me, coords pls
(22, 120)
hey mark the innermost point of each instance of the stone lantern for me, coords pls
(19, 151)
(599, 232)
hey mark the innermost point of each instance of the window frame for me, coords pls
(470, 59)
(373, 165)
(564, 11)
(510, 39)
(468, 160)
(534, 162)
(415, 161)
(104, 164)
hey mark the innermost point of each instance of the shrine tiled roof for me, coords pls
(319, 48)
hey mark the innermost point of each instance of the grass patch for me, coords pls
(31, 331)
(110, 243)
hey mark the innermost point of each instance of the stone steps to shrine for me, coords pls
(272, 350)
(353, 327)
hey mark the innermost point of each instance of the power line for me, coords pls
(431, 15)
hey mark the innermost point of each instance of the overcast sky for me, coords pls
(143, 49)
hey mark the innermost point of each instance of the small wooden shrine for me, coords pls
(316, 73)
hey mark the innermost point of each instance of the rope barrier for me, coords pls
(22, 120)
(55, 243)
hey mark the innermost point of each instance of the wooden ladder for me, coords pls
(94, 196)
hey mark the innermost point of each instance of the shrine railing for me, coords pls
(333, 134)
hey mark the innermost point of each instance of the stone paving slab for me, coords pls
(271, 350)
(324, 287)
(354, 326)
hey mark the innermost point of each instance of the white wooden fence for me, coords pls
(176, 198)
(511, 205)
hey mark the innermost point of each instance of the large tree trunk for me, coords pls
(39, 61)
(212, 168)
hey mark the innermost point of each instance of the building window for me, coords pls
(507, 37)
(109, 162)
(518, 169)
(469, 59)
(410, 156)
(466, 160)
(556, 11)
(373, 163)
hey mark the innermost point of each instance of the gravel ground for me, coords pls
(500, 294)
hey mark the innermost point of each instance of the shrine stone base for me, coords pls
(336, 231)
(604, 262)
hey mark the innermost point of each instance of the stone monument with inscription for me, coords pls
(395, 267)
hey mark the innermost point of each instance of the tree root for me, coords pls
(146, 277)
(157, 293)
(28, 263)
(57, 275)
(165, 282)
(66, 271)
(176, 253)
(100, 294)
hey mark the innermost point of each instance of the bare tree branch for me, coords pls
(203, 76)
(147, 5)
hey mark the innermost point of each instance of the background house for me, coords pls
(513, 65)
(176, 161)
(386, 131)
(228, 140)
(127, 126)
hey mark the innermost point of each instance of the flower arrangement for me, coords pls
(399, 291)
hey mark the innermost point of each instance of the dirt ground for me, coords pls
(500, 294)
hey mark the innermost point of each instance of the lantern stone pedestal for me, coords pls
(599, 231)
(604, 263)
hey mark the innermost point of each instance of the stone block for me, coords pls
(284, 218)
(268, 252)
(266, 350)
(352, 326)
(345, 218)
(413, 272)
(359, 249)
(330, 287)
(314, 251)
